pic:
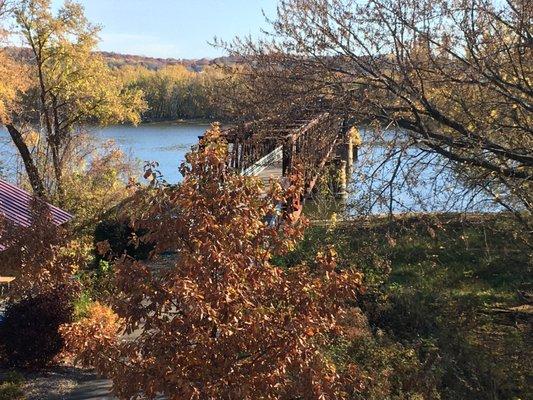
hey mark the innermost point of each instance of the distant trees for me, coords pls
(174, 92)
(447, 78)
(68, 86)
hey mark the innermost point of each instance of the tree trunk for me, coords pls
(55, 142)
(31, 170)
(58, 174)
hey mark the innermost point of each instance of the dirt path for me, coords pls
(96, 389)
(65, 383)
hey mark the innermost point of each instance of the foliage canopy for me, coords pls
(219, 320)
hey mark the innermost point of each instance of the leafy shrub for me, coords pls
(10, 387)
(82, 305)
(222, 321)
(98, 284)
(391, 370)
(29, 334)
(86, 338)
(119, 235)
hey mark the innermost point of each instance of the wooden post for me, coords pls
(286, 160)
(341, 191)
(349, 156)
(289, 154)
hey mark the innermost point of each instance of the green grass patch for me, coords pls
(433, 288)
(11, 387)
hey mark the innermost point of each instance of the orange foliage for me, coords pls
(86, 338)
(39, 255)
(221, 321)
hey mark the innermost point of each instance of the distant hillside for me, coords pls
(119, 60)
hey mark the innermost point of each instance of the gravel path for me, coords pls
(65, 383)
(91, 390)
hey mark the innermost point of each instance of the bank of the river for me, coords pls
(449, 301)
(192, 121)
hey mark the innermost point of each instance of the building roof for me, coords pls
(15, 205)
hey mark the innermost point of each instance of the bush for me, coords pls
(86, 339)
(82, 305)
(119, 234)
(391, 370)
(10, 387)
(98, 284)
(405, 315)
(222, 321)
(29, 334)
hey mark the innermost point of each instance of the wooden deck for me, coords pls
(273, 171)
(272, 149)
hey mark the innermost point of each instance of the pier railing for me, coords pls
(306, 144)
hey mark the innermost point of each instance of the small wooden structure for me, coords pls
(271, 149)
(5, 281)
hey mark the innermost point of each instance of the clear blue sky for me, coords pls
(174, 28)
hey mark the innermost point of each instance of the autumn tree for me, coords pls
(69, 86)
(38, 253)
(219, 320)
(435, 78)
(174, 92)
(12, 75)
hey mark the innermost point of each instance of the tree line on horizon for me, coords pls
(172, 89)
(175, 92)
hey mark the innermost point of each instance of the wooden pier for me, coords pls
(271, 149)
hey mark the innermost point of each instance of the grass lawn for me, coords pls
(448, 303)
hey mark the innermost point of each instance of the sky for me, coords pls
(174, 28)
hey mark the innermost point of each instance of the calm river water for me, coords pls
(166, 143)
(418, 188)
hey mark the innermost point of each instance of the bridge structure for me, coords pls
(270, 149)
